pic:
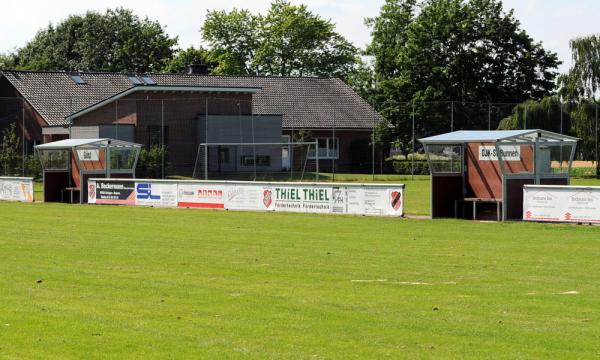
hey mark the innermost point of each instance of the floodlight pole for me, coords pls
(451, 116)
(291, 154)
(489, 116)
(336, 150)
(23, 136)
(317, 158)
(412, 160)
(205, 161)
(116, 120)
(206, 139)
(561, 116)
(162, 136)
(373, 149)
(597, 157)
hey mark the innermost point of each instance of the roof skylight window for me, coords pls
(148, 80)
(135, 80)
(77, 79)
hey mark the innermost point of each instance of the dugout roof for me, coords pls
(74, 143)
(467, 136)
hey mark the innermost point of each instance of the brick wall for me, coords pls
(146, 110)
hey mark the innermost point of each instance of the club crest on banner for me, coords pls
(396, 199)
(92, 191)
(267, 198)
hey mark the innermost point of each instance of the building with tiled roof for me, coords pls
(62, 104)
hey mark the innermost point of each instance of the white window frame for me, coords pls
(332, 152)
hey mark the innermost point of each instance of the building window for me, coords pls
(261, 160)
(155, 135)
(329, 148)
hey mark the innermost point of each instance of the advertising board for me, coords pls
(320, 198)
(151, 193)
(16, 189)
(575, 204)
(120, 192)
(206, 196)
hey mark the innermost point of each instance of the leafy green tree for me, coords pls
(452, 50)
(7, 61)
(581, 85)
(150, 162)
(544, 114)
(583, 126)
(233, 38)
(188, 56)
(10, 151)
(115, 41)
(289, 41)
(583, 79)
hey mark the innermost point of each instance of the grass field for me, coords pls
(120, 282)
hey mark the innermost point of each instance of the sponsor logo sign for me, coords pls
(16, 189)
(88, 154)
(201, 196)
(561, 204)
(111, 192)
(508, 152)
(156, 194)
(301, 198)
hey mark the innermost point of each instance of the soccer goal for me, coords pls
(285, 161)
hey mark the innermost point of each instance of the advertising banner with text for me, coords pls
(576, 204)
(118, 192)
(16, 189)
(360, 199)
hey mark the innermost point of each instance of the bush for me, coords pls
(405, 167)
(10, 152)
(583, 172)
(150, 162)
(33, 166)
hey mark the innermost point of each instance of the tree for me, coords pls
(581, 84)
(452, 50)
(544, 114)
(189, 56)
(10, 151)
(583, 79)
(233, 38)
(288, 41)
(7, 61)
(114, 41)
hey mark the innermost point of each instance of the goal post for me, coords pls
(268, 161)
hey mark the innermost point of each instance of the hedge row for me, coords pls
(405, 167)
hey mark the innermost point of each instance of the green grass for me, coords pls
(124, 282)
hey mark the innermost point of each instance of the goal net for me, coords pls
(297, 161)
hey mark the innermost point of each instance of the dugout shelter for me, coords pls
(480, 174)
(68, 164)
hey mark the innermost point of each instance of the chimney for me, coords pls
(196, 69)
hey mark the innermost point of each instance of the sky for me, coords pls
(553, 22)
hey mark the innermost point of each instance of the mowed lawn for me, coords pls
(97, 282)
